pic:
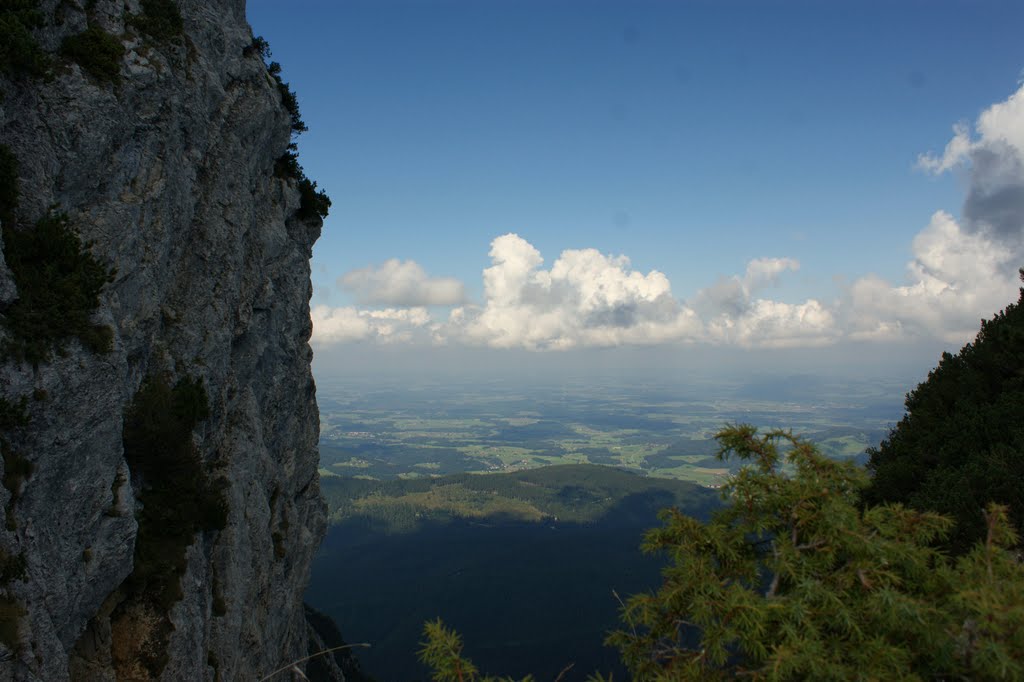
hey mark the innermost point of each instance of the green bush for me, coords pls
(59, 283)
(793, 580)
(259, 46)
(8, 184)
(960, 444)
(17, 469)
(11, 613)
(287, 165)
(12, 567)
(288, 98)
(96, 51)
(179, 498)
(313, 203)
(160, 19)
(20, 54)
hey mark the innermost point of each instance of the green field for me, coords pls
(403, 432)
(569, 493)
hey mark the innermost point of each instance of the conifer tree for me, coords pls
(794, 579)
(961, 443)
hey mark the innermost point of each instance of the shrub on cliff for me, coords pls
(8, 184)
(59, 284)
(961, 443)
(17, 468)
(313, 203)
(160, 19)
(96, 51)
(20, 54)
(179, 498)
(793, 580)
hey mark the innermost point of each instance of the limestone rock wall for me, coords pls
(170, 175)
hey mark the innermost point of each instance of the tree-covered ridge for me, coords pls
(794, 580)
(574, 493)
(961, 443)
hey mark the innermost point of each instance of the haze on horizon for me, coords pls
(633, 186)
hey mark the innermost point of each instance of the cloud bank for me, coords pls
(341, 325)
(401, 283)
(961, 270)
(584, 299)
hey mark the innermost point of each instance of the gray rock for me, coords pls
(170, 176)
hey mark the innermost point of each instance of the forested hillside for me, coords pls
(961, 443)
(545, 548)
(573, 493)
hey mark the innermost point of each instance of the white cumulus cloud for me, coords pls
(585, 299)
(735, 316)
(954, 280)
(401, 283)
(994, 162)
(962, 270)
(341, 325)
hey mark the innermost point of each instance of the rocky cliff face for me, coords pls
(167, 172)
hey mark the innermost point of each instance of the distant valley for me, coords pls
(382, 431)
(513, 513)
(525, 563)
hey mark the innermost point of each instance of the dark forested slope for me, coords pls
(961, 443)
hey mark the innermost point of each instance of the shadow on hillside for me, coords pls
(527, 597)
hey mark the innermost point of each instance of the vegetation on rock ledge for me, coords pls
(313, 203)
(160, 19)
(179, 498)
(17, 468)
(96, 51)
(8, 184)
(20, 54)
(58, 283)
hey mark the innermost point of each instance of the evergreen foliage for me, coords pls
(961, 443)
(288, 98)
(96, 51)
(160, 19)
(313, 203)
(8, 184)
(179, 498)
(793, 580)
(59, 283)
(287, 165)
(259, 46)
(20, 54)
(17, 468)
(442, 652)
(12, 568)
(11, 613)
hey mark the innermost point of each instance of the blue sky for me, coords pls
(690, 137)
